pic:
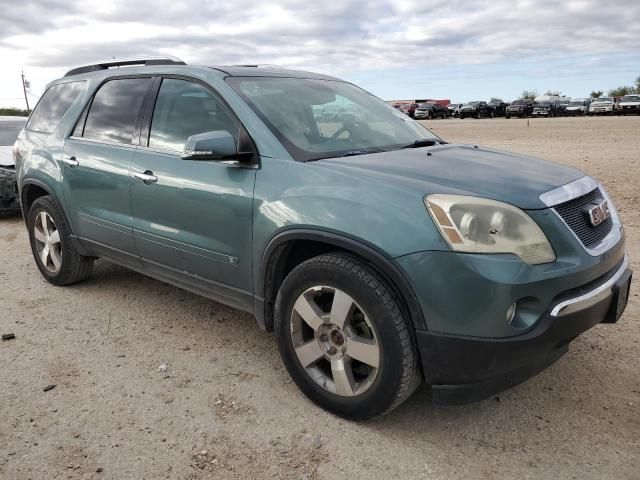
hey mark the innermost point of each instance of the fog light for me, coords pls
(511, 313)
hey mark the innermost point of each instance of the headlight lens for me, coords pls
(478, 225)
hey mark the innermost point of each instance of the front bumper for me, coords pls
(625, 109)
(601, 110)
(463, 369)
(8, 190)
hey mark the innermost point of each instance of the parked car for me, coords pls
(430, 110)
(410, 109)
(545, 109)
(577, 106)
(499, 107)
(9, 129)
(561, 106)
(454, 109)
(602, 106)
(521, 108)
(378, 254)
(546, 105)
(629, 104)
(476, 109)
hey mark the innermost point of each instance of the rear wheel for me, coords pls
(343, 338)
(54, 253)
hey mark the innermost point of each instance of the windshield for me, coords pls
(630, 98)
(603, 99)
(474, 103)
(317, 119)
(9, 132)
(519, 102)
(576, 104)
(543, 104)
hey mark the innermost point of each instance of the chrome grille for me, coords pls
(575, 214)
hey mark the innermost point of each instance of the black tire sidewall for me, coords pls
(381, 395)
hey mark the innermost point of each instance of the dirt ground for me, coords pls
(225, 407)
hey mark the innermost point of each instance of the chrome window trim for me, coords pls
(567, 192)
(129, 146)
(591, 298)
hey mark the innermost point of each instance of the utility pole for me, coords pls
(24, 89)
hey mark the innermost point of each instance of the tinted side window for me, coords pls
(114, 110)
(53, 105)
(183, 109)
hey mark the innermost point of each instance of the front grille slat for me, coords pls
(574, 215)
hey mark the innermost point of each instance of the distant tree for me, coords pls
(529, 94)
(13, 112)
(553, 92)
(597, 94)
(621, 91)
(638, 85)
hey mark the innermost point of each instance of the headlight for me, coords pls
(478, 225)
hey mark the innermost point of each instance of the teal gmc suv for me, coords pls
(380, 255)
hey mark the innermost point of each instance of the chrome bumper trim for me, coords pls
(590, 298)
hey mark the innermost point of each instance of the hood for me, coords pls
(6, 156)
(463, 169)
(601, 103)
(622, 104)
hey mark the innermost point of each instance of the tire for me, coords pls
(64, 265)
(372, 310)
(507, 117)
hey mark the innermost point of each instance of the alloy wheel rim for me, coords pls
(335, 341)
(48, 245)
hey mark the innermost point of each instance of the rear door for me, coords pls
(97, 159)
(192, 219)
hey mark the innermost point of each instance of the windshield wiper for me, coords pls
(423, 142)
(352, 153)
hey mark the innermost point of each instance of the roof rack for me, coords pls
(168, 60)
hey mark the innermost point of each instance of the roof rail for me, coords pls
(258, 65)
(168, 60)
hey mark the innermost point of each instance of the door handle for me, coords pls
(71, 161)
(147, 177)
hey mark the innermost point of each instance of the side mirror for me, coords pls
(216, 145)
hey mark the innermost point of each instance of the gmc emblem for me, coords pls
(599, 213)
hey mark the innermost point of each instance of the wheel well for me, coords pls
(30, 194)
(288, 255)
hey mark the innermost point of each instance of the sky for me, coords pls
(456, 49)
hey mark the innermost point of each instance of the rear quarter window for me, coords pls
(53, 105)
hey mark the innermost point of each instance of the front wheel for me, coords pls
(343, 338)
(54, 253)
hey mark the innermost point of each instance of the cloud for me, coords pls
(347, 38)
(341, 36)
